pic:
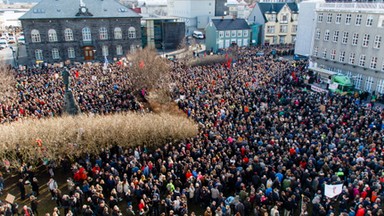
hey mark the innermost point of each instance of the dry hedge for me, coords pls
(72, 136)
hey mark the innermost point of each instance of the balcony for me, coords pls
(87, 43)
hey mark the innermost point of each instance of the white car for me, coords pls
(3, 43)
(198, 34)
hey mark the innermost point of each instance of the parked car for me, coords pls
(11, 40)
(198, 34)
(21, 39)
(3, 43)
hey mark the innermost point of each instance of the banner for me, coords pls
(333, 190)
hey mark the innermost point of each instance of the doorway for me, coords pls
(89, 53)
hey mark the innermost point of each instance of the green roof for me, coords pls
(61, 9)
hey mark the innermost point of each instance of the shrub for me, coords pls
(54, 138)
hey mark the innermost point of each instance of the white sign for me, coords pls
(317, 89)
(333, 190)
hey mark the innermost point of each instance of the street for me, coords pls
(6, 56)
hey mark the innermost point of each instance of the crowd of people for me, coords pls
(266, 145)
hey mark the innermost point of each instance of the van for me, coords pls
(198, 34)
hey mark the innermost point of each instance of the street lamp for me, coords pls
(13, 55)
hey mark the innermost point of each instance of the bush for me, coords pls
(52, 139)
(207, 60)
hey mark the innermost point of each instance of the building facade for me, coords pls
(91, 30)
(162, 33)
(195, 13)
(222, 33)
(279, 22)
(348, 39)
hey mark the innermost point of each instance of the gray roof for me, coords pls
(59, 9)
(230, 24)
(267, 7)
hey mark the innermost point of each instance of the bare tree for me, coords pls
(7, 82)
(150, 72)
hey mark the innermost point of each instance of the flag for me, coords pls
(77, 74)
(141, 64)
(105, 63)
(332, 190)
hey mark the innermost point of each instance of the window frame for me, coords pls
(35, 36)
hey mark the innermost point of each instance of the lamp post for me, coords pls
(13, 55)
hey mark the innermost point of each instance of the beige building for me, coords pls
(278, 20)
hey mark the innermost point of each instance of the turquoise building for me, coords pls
(222, 33)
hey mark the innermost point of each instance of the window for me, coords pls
(221, 34)
(71, 53)
(233, 33)
(103, 33)
(315, 51)
(336, 36)
(284, 18)
(119, 50)
(68, 34)
(293, 39)
(118, 33)
(380, 86)
(348, 19)
(365, 40)
(245, 33)
(227, 33)
(373, 63)
(368, 84)
(271, 29)
(39, 54)
(362, 60)
(382, 67)
(358, 19)
(325, 53)
(274, 40)
(131, 32)
(283, 29)
(338, 18)
(329, 18)
(132, 48)
(333, 54)
(326, 35)
(377, 42)
(272, 18)
(239, 33)
(294, 28)
(282, 40)
(317, 36)
(104, 50)
(320, 17)
(35, 36)
(352, 58)
(369, 21)
(358, 79)
(342, 56)
(52, 36)
(55, 53)
(245, 42)
(355, 39)
(86, 34)
(345, 38)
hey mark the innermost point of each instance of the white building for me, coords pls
(306, 25)
(239, 9)
(348, 39)
(195, 13)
